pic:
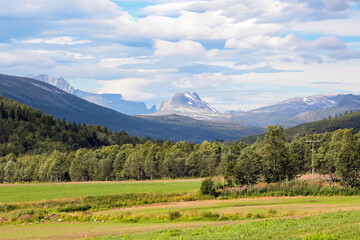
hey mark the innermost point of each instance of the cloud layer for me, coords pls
(234, 53)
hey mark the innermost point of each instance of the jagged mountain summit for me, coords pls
(185, 102)
(191, 105)
(58, 82)
(112, 101)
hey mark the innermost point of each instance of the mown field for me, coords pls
(36, 192)
(176, 211)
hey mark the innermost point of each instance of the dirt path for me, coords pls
(202, 203)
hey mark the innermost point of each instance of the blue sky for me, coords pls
(235, 54)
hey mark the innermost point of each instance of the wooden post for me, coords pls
(312, 155)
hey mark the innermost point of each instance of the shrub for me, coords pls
(74, 208)
(174, 215)
(207, 187)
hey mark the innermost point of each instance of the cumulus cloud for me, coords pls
(181, 48)
(287, 42)
(329, 43)
(213, 42)
(204, 80)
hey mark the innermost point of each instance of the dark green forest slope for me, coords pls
(346, 121)
(26, 130)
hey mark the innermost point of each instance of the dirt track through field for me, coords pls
(202, 203)
(77, 230)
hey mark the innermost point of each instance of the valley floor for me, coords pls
(296, 216)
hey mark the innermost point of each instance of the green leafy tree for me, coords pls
(78, 171)
(346, 151)
(247, 169)
(9, 171)
(59, 167)
(275, 155)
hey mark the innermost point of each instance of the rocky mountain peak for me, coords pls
(58, 82)
(185, 102)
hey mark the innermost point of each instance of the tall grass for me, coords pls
(288, 188)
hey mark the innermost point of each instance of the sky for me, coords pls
(236, 54)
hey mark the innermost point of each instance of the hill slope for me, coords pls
(60, 104)
(112, 101)
(351, 120)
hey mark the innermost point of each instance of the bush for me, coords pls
(207, 187)
(174, 215)
(74, 208)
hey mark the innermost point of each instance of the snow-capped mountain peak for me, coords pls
(323, 100)
(185, 102)
(58, 82)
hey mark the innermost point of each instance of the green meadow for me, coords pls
(330, 226)
(37, 192)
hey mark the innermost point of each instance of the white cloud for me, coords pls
(258, 41)
(130, 88)
(116, 62)
(181, 48)
(203, 80)
(337, 27)
(329, 43)
(168, 9)
(61, 54)
(57, 40)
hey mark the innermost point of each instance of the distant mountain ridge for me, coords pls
(299, 110)
(112, 101)
(60, 104)
(287, 113)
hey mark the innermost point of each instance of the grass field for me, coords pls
(169, 215)
(37, 192)
(331, 226)
(152, 218)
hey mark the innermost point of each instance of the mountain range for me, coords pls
(112, 101)
(287, 113)
(60, 104)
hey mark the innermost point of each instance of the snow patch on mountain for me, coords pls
(58, 82)
(184, 103)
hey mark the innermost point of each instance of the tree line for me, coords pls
(33, 148)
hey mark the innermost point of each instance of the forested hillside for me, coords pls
(26, 130)
(37, 147)
(347, 121)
